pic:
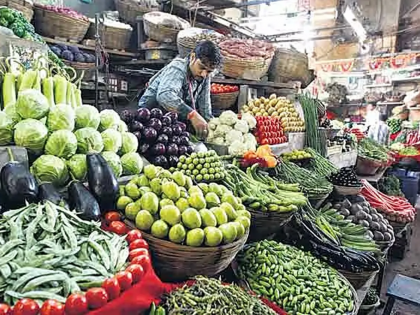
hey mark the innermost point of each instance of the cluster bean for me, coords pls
(293, 279)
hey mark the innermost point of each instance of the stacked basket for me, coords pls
(20, 5)
(129, 10)
(163, 27)
(112, 37)
(247, 69)
(189, 38)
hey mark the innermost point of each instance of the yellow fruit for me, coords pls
(273, 96)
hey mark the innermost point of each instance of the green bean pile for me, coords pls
(210, 296)
(320, 165)
(371, 149)
(294, 280)
(48, 252)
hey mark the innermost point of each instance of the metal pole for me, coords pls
(97, 51)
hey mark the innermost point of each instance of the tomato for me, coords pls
(76, 304)
(137, 252)
(264, 141)
(133, 235)
(138, 244)
(143, 261)
(52, 307)
(136, 271)
(5, 309)
(96, 297)
(118, 227)
(112, 288)
(125, 279)
(112, 216)
(26, 307)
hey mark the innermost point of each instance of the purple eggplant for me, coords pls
(156, 113)
(149, 134)
(176, 140)
(162, 138)
(176, 130)
(155, 123)
(182, 125)
(143, 115)
(138, 135)
(127, 116)
(172, 149)
(167, 131)
(184, 141)
(173, 160)
(173, 115)
(160, 160)
(185, 134)
(158, 149)
(166, 121)
(136, 126)
(190, 149)
(182, 150)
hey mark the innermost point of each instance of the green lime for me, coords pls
(206, 177)
(193, 155)
(132, 191)
(229, 232)
(160, 229)
(208, 218)
(196, 161)
(188, 160)
(166, 202)
(123, 201)
(182, 158)
(144, 220)
(191, 218)
(182, 204)
(170, 214)
(246, 222)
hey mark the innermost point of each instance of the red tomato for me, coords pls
(137, 252)
(26, 307)
(52, 307)
(136, 271)
(112, 216)
(96, 297)
(112, 288)
(264, 141)
(118, 227)
(133, 235)
(5, 309)
(138, 244)
(143, 261)
(125, 279)
(76, 304)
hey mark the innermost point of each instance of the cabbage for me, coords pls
(87, 116)
(6, 129)
(50, 169)
(77, 166)
(89, 141)
(61, 117)
(112, 140)
(61, 143)
(129, 143)
(114, 162)
(132, 163)
(10, 110)
(31, 134)
(122, 127)
(109, 119)
(32, 104)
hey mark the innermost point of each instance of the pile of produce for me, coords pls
(263, 157)
(64, 11)
(360, 212)
(223, 88)
(161, 136)
(320, 165)
(269, 131)
(170, 207)
(371, 297)
(233, 132)
(310, 182)
(370, 149)
(210, 296)
(277, 107)
(409, 151)
(48, 252)
(358, 133)
(246, 49)
(396, 209)
(72, 53)
(337, 93)
(260, 192)
(293, 279)
(390, 185)
(202, 166)
(345, 177)
(394, 124)
(296, 155)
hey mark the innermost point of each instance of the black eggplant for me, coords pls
(47, 192)
(102, 182)
(83, 202)
(18, 184)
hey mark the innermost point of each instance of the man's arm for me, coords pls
(167, 94)
(204, 101)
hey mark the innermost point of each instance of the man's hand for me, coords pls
(199, 124)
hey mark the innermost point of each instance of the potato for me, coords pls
(273, 96)
(272, 103)
(257, 102)
(274, 114)
(262, 99)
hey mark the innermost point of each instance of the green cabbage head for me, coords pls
(61, 143)
(122, 127)
(61, 117)
(89, 141)
(6, 129)
(114, 162)
(32, 104)
(77, 166)
(132, 163)
(31, 134)
(112, 140)
(129, 143)
(50, 169)
(87, 116)
(109, 119)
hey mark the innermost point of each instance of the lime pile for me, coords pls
(296, 155)
(169, 206)
(202, 167)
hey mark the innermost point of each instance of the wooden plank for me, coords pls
(253, 83)
(141, 62)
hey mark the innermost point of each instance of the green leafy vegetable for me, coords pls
(132, 163)
(112, 140)
(32, 104)
(50, 169)
(31, 134)
(87, 116)
(109, 119)
(129, 143)
(61, 143)
(10, 110)
(61, 117)
(114, 162)
(89, 140)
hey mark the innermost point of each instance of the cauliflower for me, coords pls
(210, 136)
(219, 141)
(233, 135)
(221, 130)
(242, 126)
(237, 148)
(213, 123)
(252, 122)
(250, 142)
(228, 118)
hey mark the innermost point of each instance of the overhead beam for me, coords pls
(242, 4)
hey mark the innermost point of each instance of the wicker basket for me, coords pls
(365, 166)
(224, 100)
(129, 11)
(266, 224)
(358, 280)
(111, 37)
(289, 65)
(161, 33)
(247, 69)
(347, 191)
(174, 262)
(316, 201)
(20, 5)
(52, 24)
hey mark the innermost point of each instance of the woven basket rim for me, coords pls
(225, 94)
(80, 65)
(21, 3)
(60, 15)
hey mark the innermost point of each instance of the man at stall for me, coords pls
(380, 131)
(183, 86)
(372, 115)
